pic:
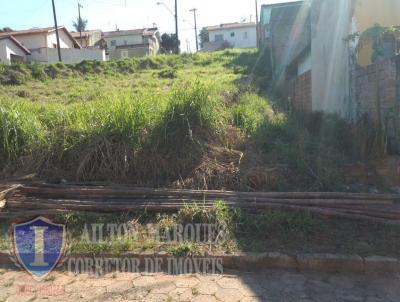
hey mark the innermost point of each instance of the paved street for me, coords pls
(269, 285)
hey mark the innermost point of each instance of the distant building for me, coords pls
(237, 35)
(132, 43)
(90, 38)
(42, 46)
(12, 51)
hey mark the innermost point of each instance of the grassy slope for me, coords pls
(186, 121)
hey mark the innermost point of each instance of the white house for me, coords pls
(42, 45)
(12, 51)
(132, 43)
(238, 35)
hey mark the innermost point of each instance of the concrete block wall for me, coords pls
(69, 55)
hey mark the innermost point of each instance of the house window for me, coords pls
(124, 54)
(113, 43)
(219, 38)
(245, 35)
(232, 34)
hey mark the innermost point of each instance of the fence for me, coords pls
(69, 55)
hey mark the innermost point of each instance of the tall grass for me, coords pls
(103, 135)
(192, 107)
(154, 122)
(251, 112)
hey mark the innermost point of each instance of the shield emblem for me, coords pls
(39, 245)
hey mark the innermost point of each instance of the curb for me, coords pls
(272, 260)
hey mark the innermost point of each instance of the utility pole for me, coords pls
(176, 20)
(56, 28)
(80, 21)
(257, 26)
(195, 27)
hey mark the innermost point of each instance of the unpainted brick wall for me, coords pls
(300, 93)
(374, 90)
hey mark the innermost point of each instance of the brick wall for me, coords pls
(299, 92)
(375, 93)
(374, 90)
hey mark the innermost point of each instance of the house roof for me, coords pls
(34, 31)
(84, 33)
(140, 31)
(17, 43)
(231, 26)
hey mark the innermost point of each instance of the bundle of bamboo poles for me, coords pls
(63, 198)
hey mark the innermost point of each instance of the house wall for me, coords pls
(94, 37)
(367, 13)
(7, 47)
(65, 40)
(124, 40)
(331, 24)
(88, 41)
(68, 55)
(239, 40)
(289, 30)
(132, 52)
(33, 41)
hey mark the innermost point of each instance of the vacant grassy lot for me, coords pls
(193, 121)
(190, 121)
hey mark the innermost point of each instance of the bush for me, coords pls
(37, 72)
(14, 75)
(311, 146)
(52, 71)
(251, 112)
(168, 73)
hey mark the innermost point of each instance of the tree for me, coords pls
(377, 34)
(204, 36)
(170, 43)
(80, 24)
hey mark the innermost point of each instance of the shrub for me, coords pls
(52, 71)
(311, 146)
(168, 73)
(37, 72)
(185, 249)
(14, 75)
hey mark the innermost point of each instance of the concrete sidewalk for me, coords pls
(268, 285)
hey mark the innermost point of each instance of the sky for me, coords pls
(129, 14)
